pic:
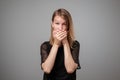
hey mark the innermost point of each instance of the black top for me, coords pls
(59, 71)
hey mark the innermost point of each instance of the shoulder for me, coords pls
(75, 44)
(45, 44)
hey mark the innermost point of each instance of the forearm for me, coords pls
(70, 65)
(49, 62)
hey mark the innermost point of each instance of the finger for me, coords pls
(62, 33)
(61, 37)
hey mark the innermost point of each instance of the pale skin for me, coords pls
(60, 38)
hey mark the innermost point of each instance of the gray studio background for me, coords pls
(25, 24)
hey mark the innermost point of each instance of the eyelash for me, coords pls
(58, 23)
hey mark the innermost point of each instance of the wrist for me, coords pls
(56, 44)
(65, 42)
(56, 41)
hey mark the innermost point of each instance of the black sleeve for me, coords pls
(44, 51)
(75, 53)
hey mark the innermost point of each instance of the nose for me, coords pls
(60, 27)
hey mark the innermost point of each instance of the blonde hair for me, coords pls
(67, 17)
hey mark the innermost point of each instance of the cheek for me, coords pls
(53, 33)
(65, 28)
(55, 28)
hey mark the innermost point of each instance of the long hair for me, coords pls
(67, 17)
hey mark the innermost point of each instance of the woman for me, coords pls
(60, 55)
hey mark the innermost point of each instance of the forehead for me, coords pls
(59, 18)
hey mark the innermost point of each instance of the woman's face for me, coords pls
(59, 24)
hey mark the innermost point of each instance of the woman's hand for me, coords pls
(59, 36)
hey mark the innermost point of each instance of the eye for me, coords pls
(64, 24)
(57, 23)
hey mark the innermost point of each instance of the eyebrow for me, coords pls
(58, 21)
